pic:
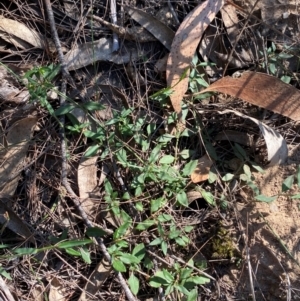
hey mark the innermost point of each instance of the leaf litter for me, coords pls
(57, 208)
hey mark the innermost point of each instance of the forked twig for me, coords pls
(64, 179)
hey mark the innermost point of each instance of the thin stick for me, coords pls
(64, 179)
(113, 16)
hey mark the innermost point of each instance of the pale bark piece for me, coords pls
(161, 31)
(201, 172)
(96, 280)
(184, 47)
(276, 145)
(262, 90)
(21, 31)
(87, 182)
(100, 50)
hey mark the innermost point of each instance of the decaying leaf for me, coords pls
(13, 222)
(87, 182)
(201, 173)
(161, 31)
(184, 46)
(276, 145)
(12, 157)
(101, 50)
(96, 280)
(57, 290)
(261, 90)
(235, 136)
(13, 28)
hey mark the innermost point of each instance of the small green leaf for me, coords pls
(156, 204)
(64, 109)
(286, 79)
(72, 252)
(186, 153)
(228, 177)
(156, 241)
(167, 159)
(154, 154)
(139, 251)
(129, 258)
(199, 280)
(181, 241)
(193, 295)
(182, 289)
(85, 254)
(164, 218)
(212, 176)
(26, 251)
(182, 199)
(5, 274)
(73, 243)
(240, 152)
(296, 196)
(247, 171)
(95, 232)
(93, 106)
(139, 206)
(165, 138)
(266, 199)
(122, 156)
(298, 176)
(257, 167)
(189, 168)
(167, 275)
(118, 265)
(145, 225)
(287, 183)
(208, 197)
(92, 151)
(134, 284)
(188, 229)
(164, 247)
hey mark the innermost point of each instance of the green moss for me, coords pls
(223, 246)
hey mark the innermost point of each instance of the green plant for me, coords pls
(275, 62)
(179, 280)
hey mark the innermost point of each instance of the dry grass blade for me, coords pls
(261, 90)
(184, 46)
(161, 31)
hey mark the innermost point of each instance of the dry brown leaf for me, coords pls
(161, 31)
(13, 222)
(57, 291)
(201, 172)
(87, 182)
(22, 32)
(12, 157)
(184, 47)
(96, 280)
(261, 90)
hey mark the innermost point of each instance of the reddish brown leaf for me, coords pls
(201, 173)
(261, 90)
(184, 47)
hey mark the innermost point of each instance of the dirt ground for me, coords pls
(273, 231)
